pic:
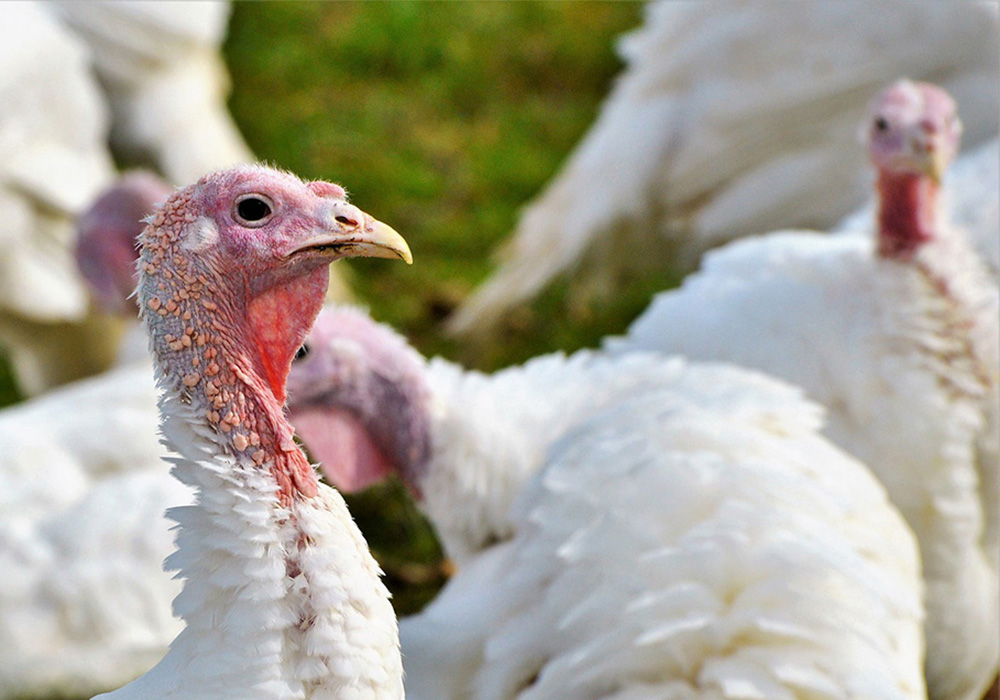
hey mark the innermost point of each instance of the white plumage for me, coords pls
(697, 542)
(84, 605)
(732, 119)
(631, 527)
(904, 356)
(165, 81)
(252, 586)
(491, 433)
(53, 159)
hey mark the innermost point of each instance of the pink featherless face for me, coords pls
(264, 216)
(913, 129)
(259, 240)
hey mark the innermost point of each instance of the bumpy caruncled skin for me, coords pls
(219, 369)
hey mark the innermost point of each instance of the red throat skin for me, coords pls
(280, 319)
(907, 215)
(348, 456)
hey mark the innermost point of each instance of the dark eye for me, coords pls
(253, 210)
(881, 124)
(301, 353)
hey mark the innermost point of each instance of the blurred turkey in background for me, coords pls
(734, 118)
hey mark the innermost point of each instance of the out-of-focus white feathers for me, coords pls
(477, 468)
(53, 160)
(84, 602)
(165, 80)
(905, 358)
(684, 546)
(731, 119)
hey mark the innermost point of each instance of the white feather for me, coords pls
(699, 541)
(165, 80)
(905, 358)
(53, 160)
(84, 604)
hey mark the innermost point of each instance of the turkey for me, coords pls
(972, 199)
(165, 81)
(635, 528)
(730, 119)
(106, 235)
(280, 596)
(105, 250)
(53, 160)
(896, 334)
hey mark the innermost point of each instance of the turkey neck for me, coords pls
(281, 597)
(225, 347)
(907, 215)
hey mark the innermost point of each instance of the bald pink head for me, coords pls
(358, 398)
(913, 128)
(232, 273)
(107, 233)
(913, 135)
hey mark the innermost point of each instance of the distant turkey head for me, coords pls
(358, 398)
(232, 273)
(107, 238)
(913, 135)
(914, 129)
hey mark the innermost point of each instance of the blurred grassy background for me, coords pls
(442, 119)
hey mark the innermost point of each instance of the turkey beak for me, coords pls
(356, 234)
(932, 154)
(937, 164)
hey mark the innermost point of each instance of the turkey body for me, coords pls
(730, 119)
(636, 526)
(681, 545)
(84, 603)
(904, 356)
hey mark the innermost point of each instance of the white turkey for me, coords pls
(280, 596)
(53, 160)
(896, 334)
(166, 83)
(731, 118)
(635, 528)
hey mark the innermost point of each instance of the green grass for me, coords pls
(442, 119)
(8, 389)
